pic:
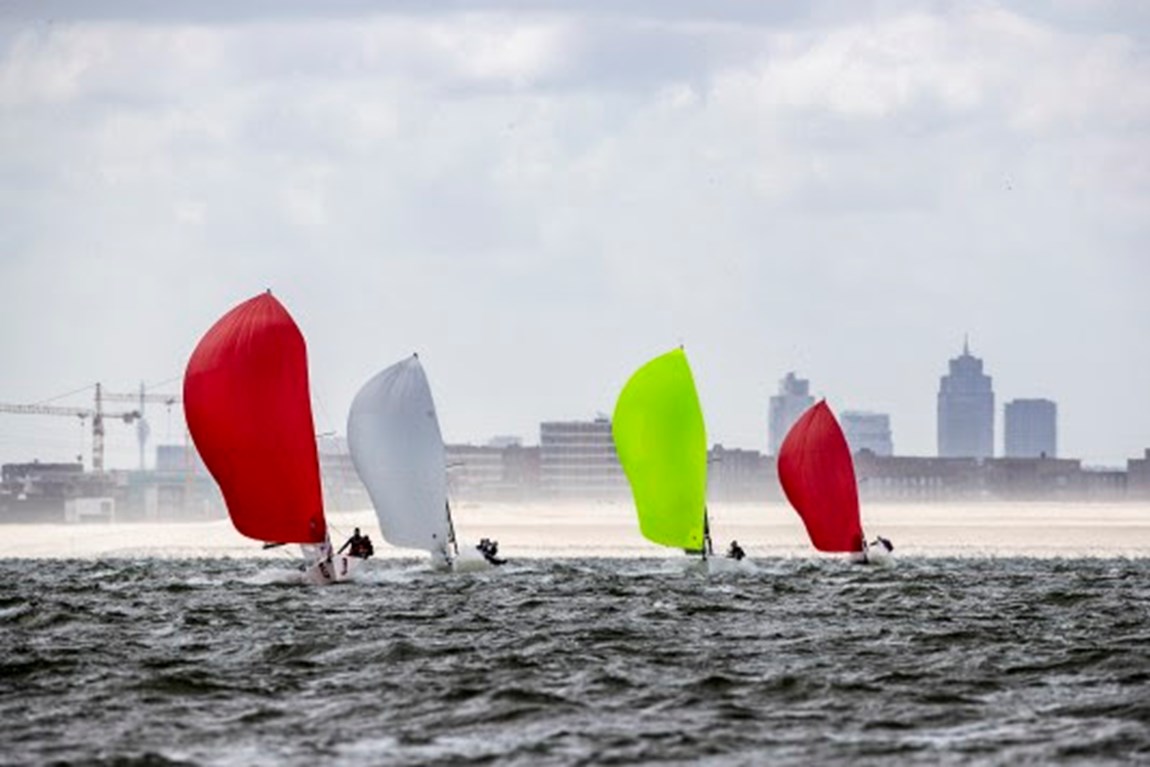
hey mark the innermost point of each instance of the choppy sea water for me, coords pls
(933, 661)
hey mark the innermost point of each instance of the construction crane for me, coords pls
(142, 428)
(96, 413)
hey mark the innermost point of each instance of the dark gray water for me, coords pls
(583, 662)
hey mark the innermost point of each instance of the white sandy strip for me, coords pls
(579, 530)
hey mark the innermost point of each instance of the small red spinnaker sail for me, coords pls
(818, 477)
(248, 409)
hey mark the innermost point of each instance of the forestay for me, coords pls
(662, 444)
(397, 449)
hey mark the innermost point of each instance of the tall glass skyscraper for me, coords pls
(966, 410)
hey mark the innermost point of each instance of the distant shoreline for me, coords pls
(609, 530)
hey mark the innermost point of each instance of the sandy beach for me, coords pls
(578, 530)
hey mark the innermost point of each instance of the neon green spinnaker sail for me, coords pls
(662, 444)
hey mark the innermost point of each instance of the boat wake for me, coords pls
(470, 560)
(728, 566)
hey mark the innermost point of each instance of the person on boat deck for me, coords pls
(736, 552)
(490, 550)
(366, 549)
(884, 543)
(358, 546)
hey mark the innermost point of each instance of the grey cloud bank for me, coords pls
(539, 198)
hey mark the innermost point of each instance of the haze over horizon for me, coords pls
(539, 198)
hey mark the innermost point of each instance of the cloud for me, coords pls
(542, 199)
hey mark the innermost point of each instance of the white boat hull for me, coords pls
(338, 569)
(875, 555)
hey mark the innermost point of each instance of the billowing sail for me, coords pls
(818, 477)
(249, 412)
(662, 444)
(395, 443)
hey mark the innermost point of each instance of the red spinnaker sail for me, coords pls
(818, 476)
(249, 412)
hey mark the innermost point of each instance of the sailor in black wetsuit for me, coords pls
(736, 552)
(358, 546)
(490, 550)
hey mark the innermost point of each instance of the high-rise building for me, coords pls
(577, 460)
(792, 401)
(966, 410)
(868, 431)
(1031, 429)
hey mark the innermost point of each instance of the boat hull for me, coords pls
(338, 569)
(873, 556)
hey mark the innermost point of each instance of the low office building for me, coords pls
(1030, 429)
(577, 459)
(868, 431)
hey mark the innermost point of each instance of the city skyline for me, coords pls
(791, 400)
(539, 199)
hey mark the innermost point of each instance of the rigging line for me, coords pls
(89, 387)
(324, 415)
(165, 382)
(285, 554)
(339, 534)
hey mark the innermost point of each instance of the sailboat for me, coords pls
(661, 442)
(818, 477)
(397, 450)
(249, 413)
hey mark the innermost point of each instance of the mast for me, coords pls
(451, 530)
(708, 549)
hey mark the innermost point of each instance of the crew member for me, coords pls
(490, 550)
(357, 546)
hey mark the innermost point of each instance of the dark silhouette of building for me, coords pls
(1031, 429)
(868, 431)
(966, 410)
(1138, 473)
(792, 401)
(734, 474)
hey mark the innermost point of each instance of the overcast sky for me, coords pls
(540, 197)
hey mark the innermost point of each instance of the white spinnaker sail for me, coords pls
(397, 449)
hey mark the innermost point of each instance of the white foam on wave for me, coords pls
(274, 575)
